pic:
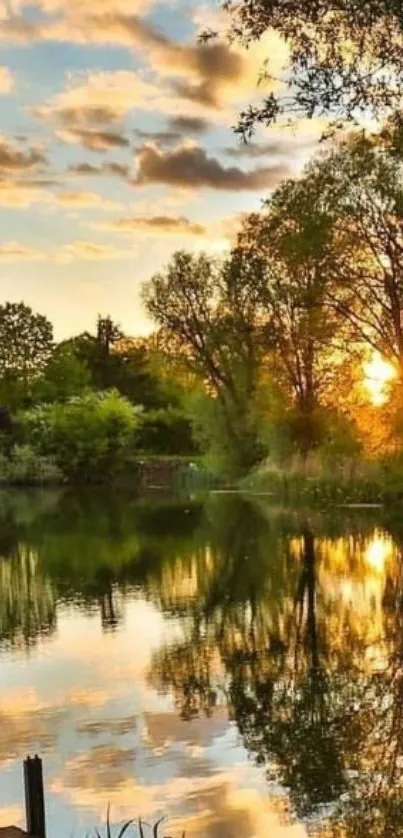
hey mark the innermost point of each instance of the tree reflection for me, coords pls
(292, 621)
(315, 689)
(27, 599)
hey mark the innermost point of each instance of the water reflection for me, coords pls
(235, 666)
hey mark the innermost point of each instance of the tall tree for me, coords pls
(346, 57)
(292, 255)
(362, 180)
(26, 344)
(209, 312)
(26, 341)
(113, 361)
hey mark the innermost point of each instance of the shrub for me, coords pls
(231, 441)
(165, 431)
(89, 436)
(26, 467)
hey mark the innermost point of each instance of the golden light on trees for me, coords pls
(378, 374)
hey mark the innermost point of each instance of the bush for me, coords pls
(165, 431)
(26, 467)
(89, 436)
(231, 442)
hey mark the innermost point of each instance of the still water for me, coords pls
(233, 666)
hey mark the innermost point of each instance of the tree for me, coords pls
(293, 255)
(345, 57)
(65, 376)
(363, 182)
(89, 436)
(209, 313)
(116, 362)
(26, 343)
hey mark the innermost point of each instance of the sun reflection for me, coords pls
(378, 374)
(378, 552)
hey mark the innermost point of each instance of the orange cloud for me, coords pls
(93, 140)
(85, 199)
(92, 250)
(157, 225)
(13, 159)
(19, 194)
(98, 98)
(7, 81)
(15, 252)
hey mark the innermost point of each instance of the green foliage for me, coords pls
(115, 362)
(165, 431)
(345, 58)
(26, 467)
(26, 341)
(231, 442)
(64, 377)
(208, 311)
(361, 181)
(89, 436)
(334, 435)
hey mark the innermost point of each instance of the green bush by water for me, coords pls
(26, 467)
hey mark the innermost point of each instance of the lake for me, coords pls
(232, 665)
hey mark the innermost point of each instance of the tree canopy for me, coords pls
(26, 341)
(345, 57)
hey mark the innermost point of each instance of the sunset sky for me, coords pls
(117, 149)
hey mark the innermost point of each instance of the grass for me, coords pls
(144, 829)
(342, 482)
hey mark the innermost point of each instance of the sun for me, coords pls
(378, 374)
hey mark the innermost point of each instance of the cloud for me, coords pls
(177, 127)
(85, 199)
(278, 146)
(157, 225)
(163, 137)
(15, 252)
(94, 250)
(211, 76)
(21, 194)
(7, 81)
(12, 159)
(89, 7)
(94, 140)
(10, 814)
(111, 168)
(189, 166)
(191, 124)
(99, 98)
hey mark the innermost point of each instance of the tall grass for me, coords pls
(144, 829)
(342, 481)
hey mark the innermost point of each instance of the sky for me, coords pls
(117, 149)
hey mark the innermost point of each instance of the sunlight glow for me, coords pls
(378, 374)
(377, 552)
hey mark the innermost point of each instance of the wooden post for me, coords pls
(34, 797)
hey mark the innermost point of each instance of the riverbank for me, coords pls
(24, 468)
(345, 483)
